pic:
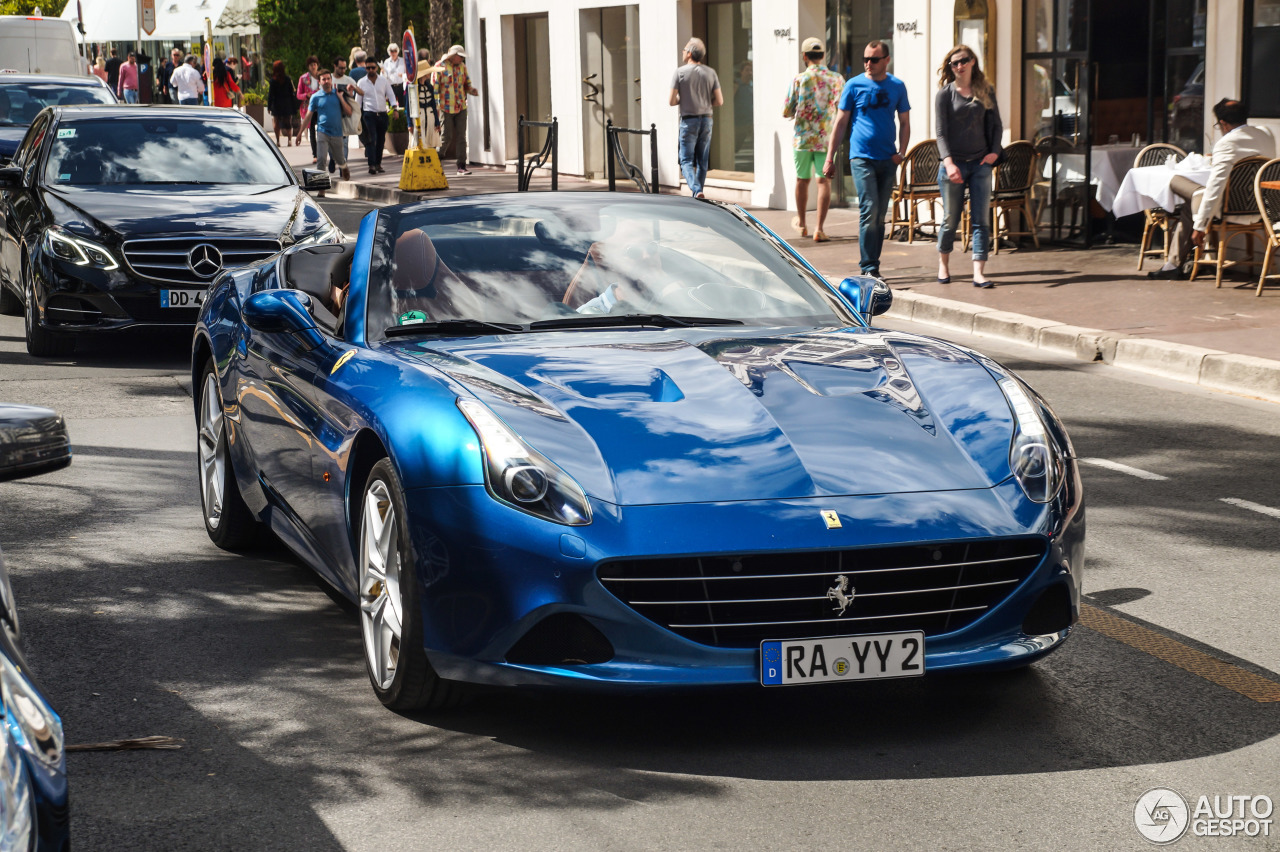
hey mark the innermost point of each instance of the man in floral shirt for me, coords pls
(812, 101)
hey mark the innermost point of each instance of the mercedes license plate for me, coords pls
(788, 662)
(181, 298)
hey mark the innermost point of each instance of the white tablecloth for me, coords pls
(1148, 189)
(1109, 165)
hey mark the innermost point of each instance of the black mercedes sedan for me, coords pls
(120, 216)
(23, 96)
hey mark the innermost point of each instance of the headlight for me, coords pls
(519, 475)
(16, 812)
(1033, 453)
(33, 726)
(326, 233)
(64, 246)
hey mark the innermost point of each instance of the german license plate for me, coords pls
(789, 662)
(181, 298)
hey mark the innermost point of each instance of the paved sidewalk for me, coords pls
(1093, 305)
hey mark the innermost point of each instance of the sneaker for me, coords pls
(464, 171)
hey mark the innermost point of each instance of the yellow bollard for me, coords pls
(421, 170)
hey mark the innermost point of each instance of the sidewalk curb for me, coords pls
(1210, 368)
(376, 194)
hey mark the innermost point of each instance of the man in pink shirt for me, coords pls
(127, 85)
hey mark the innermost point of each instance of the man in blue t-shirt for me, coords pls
(872, 100)
(329, 108)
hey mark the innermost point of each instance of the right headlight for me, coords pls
(522, 477)
(66, 246)
(32, 724)
(17, 823)
(1034, 456)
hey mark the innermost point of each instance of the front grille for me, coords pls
(739, 601)
(166, 259)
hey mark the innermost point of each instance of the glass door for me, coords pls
(610, 84)
(1057, 115)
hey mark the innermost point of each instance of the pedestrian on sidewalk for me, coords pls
(282, 103)
(188, 83)
(695, 88)
(969, 131)
(375, 97)
(113, 71)
(166, 75)
(308, 85)
(812, 101)
(127, 79)
(329, 107)
(1203, 204)
(868, 106)
(346, 88)
(393, 71)
(356, 61)
(223, 84)
(452, 85)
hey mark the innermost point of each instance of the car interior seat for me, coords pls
(321, 272)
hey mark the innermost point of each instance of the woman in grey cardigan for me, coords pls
(969, 131)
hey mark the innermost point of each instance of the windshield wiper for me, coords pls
(661, 320)
(453, 326)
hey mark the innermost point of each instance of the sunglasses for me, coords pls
(960, 63)
(873, 59)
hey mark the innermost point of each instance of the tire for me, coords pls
(227, 519)
(10, 303)
(390, 614)
(41, 342)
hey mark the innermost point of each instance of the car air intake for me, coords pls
(69, 310)
(1050, 613)
(563, 639)
(738, 601)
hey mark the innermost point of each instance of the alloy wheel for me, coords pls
(381, 616)
(213, 463)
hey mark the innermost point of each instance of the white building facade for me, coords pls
(1084, 70)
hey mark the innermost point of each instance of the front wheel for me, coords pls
(390, 614)
(227, 519)
(41, 342)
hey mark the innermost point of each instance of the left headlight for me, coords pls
(17, 817)
(1034, 455)
(522, 477)
(29, 722)
(77, 250)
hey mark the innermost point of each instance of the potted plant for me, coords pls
(255, 106)
(398, 132)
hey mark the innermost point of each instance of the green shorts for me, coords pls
(809, 163)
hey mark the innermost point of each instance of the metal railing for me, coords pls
(525, 168)
(629, 169)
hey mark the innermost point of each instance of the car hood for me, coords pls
(207, 210)
(645, 417)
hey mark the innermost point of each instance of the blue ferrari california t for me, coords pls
(628, 441)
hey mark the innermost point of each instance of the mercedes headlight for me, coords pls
(326, 233)
(522, 477)
(63, 245)
(1034, 455)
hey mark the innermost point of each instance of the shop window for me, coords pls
(1262, 57)
(973, 28)
(726, 30)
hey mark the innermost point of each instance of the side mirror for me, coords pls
(282, 312)
(10, 176)
(314, 180)
(868, 296)
(32, 441)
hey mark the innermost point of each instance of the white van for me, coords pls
(34, 45)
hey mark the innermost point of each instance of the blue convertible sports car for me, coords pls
(628, 441)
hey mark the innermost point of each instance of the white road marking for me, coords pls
(1124, 468)
(1252, 507)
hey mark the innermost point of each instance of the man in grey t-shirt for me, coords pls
(695, 88)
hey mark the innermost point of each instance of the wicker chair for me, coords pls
(1269, 206)
(917, 182)
(1155, 155)
(1239, 216)
(1011, 193)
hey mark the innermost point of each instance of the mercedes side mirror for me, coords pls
(282, 312)
(10, 176)
(315, 180)
(868, 296)
(32, 441)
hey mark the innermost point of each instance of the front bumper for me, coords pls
(489, 574)
(79, 299)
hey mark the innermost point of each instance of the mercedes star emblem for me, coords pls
(205, 260)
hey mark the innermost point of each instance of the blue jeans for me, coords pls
(695, 150)
(131, 96)
(189, 101)
(977, 177)
(873, 179)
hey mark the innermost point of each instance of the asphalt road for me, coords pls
(139, 626)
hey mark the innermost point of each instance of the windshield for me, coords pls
(119, 150)
(514, 261)
(20, 103)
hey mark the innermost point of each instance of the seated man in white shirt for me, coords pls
(1239, 140)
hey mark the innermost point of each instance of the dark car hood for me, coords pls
(658, 417)
(207, 210)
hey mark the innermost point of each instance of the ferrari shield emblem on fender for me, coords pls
(832, 519)
(344, 358)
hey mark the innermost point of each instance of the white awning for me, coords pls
(117, 20)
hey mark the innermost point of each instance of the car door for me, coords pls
(18, 205)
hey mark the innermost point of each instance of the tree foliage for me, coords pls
(50, 9)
